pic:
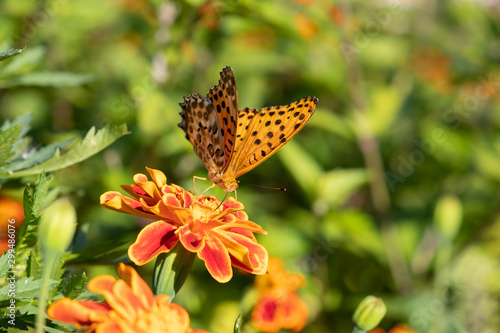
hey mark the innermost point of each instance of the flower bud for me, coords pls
(369, 313)
(448, 216)
(57, 226)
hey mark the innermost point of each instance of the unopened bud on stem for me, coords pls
(57, 226)
(369, 313)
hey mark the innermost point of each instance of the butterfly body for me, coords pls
(231, 142)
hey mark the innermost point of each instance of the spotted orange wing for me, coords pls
(260, 134)
(224, 97)
(210, 122)
(201, 125)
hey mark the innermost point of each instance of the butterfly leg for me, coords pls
(208, 188)
(201, 178)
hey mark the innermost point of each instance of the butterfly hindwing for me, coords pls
(224, 98)
(261, 133)
(201, 125)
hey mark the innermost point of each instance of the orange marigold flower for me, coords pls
(306, 27)
(11, 218)
(129, 306)
(402, 328)
(279, 306)
(220, 234)
(377, 330)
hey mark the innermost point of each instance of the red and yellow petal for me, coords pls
(120, 297)
(243, 232)
(193, 242)
(138, 285)
(116, 201)
(101, 284)
(77, 313)
(175, 213)
(157, 176)
(295, 312)
(217, 260)
(251, 255)
(279, 309)
(108, 327)
(266, 315)
(150, 189)
(124, 301)
(177, 315)
(247, 225)
(233, 204)
(157, 237)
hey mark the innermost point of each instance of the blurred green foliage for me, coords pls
(392, 187)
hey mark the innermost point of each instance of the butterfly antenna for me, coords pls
(267, 187)
(227, 194)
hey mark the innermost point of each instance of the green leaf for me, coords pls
(47, 79)
(101, 252)
(33, 201)
(75, 286)
(4, 267)
(58, 327)
(237, 324)
(26, 289)
(10, 53)
(36, 156)
(334, 124)
(57, 274)
(48, 329)
(356, 231)
(19, 147)
(27, 206)
(7, 140)
(303, 168)
(33, 267)
(385, 103)
(171, 270)
(20, 323)
(91, 145)
(24, 119)
(338, 185)
(25, 63)
(40, 193)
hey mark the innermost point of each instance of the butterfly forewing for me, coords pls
(201, 125)
(224, 98)
(261, 133)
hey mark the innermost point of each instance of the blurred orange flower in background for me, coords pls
(130, 306)
(10, 209)
(434, 68)
(220, 234)
(279, 306)
(209, 15)
(306, 27)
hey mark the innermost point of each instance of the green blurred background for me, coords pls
(392, 187)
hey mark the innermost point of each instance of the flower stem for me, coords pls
(356, 329)
(49, 263)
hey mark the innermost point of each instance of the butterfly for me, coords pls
(231, 142)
